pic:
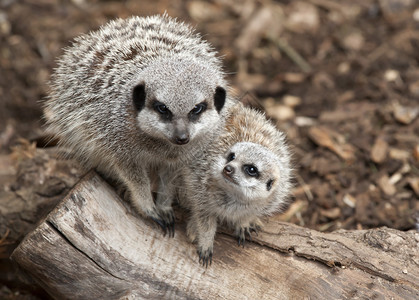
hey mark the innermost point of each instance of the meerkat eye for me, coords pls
(198, 109)
(161, 108)
(231, 156)
(251, 170)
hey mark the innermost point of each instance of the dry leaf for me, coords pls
(414, 184)
(353, 41)
(267, 21)
(304, 121)
(280, 112)
(416, 153)
(203, 11)
(404, 114)
(291, 101)
(303, 17)
(386, 186)
(399, 154)
(392, 75)
(333, 141)
(349, 200)
(295, 207)
(332, 213)
(379, 150)
(294, 77)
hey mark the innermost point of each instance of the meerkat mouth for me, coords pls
(229, 179)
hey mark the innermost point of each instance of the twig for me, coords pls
(305, 187)
(293, 55)
(5, 236)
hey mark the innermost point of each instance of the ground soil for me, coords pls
(341, 78)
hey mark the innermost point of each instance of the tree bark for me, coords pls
(92, 246)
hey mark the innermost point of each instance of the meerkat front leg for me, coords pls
(201, 229)
(245, 228)
(166, 191)
(138, 184)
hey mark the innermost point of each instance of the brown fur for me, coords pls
(212, 197)
(102, 103)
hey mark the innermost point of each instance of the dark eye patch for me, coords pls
(231, 156)
(199, 108)
(162, 109)
(197, 111)
(138, 96)
(269, 184)
(219, 98)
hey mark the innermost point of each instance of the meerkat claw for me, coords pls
(205, 257)
(249, 234)
(169, 218)
(241, 238)
(254, 230)
(166, 221)
(246, 232)
(161, 223)
(171, 224)
(171, 229)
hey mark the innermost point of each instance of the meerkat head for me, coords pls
(178, 99)
(248, 171)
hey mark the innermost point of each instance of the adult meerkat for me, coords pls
(243, 175)
(138, 95)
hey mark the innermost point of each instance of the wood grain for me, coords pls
(91, 246)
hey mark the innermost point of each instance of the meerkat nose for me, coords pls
(228, 170)
(182, 139)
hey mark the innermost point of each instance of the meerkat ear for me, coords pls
(138, 96)
(269, 184)
(219, 98)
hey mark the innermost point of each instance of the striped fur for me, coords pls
(90, 103)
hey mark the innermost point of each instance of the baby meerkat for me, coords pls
(138, 96)
(242, 176)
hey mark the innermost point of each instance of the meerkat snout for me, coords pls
(181, 132)
(182, 139)
(228, 170)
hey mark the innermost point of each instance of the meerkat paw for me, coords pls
(166, 221)
(246, 231)
(168, 217)
(205, 256)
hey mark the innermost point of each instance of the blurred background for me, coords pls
(341, 78)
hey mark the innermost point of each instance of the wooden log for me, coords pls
(91, 246)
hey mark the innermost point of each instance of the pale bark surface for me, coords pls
(92, 246)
